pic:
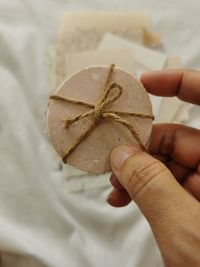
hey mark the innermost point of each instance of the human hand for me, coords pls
(166, 185)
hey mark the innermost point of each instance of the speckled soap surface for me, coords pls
(93, 153)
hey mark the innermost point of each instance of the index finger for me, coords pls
(185, 84)
(180, 143)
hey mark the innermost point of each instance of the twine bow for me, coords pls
(98, 112)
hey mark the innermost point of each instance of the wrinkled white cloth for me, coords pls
(40, 224)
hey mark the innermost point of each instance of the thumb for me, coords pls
(150, 184)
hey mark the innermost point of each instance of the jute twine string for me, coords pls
(98, 112)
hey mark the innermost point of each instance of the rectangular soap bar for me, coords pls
(121, 57)
(148, 58)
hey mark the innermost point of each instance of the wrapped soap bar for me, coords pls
(95, 110)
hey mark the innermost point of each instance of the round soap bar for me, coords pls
(92, 154)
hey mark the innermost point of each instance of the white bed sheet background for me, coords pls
(41, 225)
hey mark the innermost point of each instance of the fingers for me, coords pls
(115, 182)
(118, 198)
(178, 147)
(192, 184)
(185, 84)
(149, 183)
(180, 143)
(180, 172)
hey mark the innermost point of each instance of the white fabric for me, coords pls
(41, 224)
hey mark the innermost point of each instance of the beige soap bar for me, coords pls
(93, 152)
(122, 57)
(148, 58)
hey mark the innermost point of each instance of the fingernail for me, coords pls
(120, 154)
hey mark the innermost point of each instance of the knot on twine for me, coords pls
(98, 112)
(105, 99)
